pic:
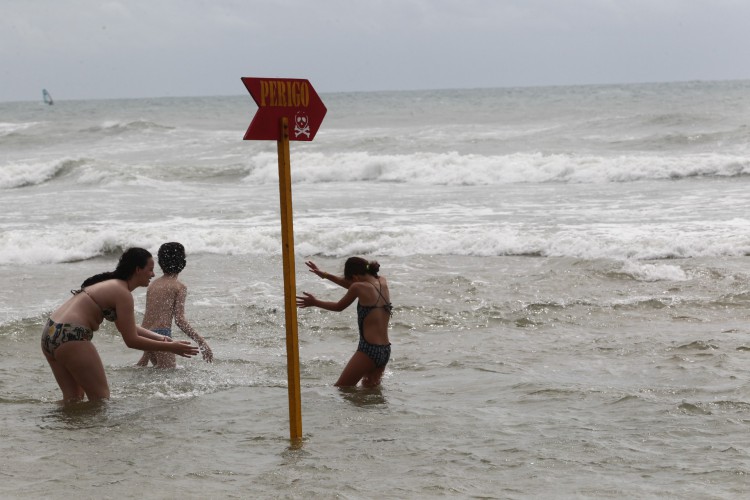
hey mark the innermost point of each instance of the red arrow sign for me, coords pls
(284, 97)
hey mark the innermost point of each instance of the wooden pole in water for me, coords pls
(290, 287)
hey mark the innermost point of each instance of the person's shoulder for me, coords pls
(359, 286)
(166, 284)
(113, 286)
(156, 281)
(168, 279)
(116, 290)
(178, 285)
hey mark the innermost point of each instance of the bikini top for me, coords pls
(363, 311)
(109, 314)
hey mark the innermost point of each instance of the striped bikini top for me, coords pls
(363, 311)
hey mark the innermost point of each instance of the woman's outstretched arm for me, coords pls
(339, 280)
(309, 300)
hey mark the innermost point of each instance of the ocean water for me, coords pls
(569, 267)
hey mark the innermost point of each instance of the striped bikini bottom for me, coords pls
(379, 354)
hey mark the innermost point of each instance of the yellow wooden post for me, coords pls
(290, 287)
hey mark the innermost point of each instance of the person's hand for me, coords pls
(208, 355)
(183, 348)
(307, 301)
(314, 269)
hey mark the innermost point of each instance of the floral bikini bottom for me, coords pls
(56, 334)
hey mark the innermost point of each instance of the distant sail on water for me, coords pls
(47, 97)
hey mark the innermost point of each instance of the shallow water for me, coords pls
(568, 266)
(488, 395)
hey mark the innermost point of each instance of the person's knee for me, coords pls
(344, 381)
(74, 396)
(371, 381)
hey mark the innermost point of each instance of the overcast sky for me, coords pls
(81, 49)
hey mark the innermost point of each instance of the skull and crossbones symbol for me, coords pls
(301, 125)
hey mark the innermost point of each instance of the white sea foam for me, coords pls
(562, 182)
(29, 246)
(20, 174)
(654, 272)
(441, 169)
(7, 128)
(454, 169)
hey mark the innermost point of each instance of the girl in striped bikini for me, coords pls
(374, 311)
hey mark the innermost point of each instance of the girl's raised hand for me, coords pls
(307, 300)
(314, 269)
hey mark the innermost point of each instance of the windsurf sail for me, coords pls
(47, 97)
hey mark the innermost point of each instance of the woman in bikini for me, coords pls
(373, 315)
(66, 337)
